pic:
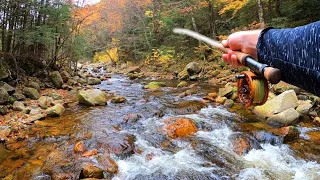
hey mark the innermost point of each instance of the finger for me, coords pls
(225, 43)
(234, 60)
(234, 42)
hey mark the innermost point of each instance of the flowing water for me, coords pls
(48, 153)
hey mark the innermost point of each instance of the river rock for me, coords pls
(182, 84)
(4, 70)
(242, 144)
(35, 117)
(18, 106)
(72, 82)
(290, 133)
(285, 118)
(183, 75)
(193, 68)
(121, 144)
(55, 95)
(56, 79)
(110, 165)
(65, 76)
(304, 107)
(18, 96)
(282, 87)
(31, 93)
(93, 81)
(226, 91)
(118, 99)
(155, 85)
(4, 96)
(180, 127)
(91, 171)
(82, 81)
(221, 100)
(4, 131)
(135, 69)
(56, 110)
(286, 100)
(228, 103)
(45, 102)
(79, 147)
(131, 118)
(34, 85)
(92, 97)
(7, 87)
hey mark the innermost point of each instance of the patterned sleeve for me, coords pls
(296, 52)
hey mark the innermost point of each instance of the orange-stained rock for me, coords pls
(242, 144)
(110, 165)
(90, 153)
(213, 95)
(79, 147)
(180, 127)
(314, 136)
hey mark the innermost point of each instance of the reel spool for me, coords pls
(252, 89)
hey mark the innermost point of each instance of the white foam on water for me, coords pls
(252, 174)
(165, 162)
(304, 130)
(218, 137)
(279, 163)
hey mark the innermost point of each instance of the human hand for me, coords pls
(244, 41)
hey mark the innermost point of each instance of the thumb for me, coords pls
(225, 43)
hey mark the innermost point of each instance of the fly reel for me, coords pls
(252, 89)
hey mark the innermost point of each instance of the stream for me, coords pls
(145, 150)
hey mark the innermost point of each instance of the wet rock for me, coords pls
(213, 94)
(285, 118)
(184, 107)
(155, 85)
(34, 85)
(92, 97)
(316, 121)
(7, 87)
(31, 93)
(226, 91)
(183, 75)
(290, 133)
(180, 127)
(4, 96)
(242, 144)
(135, 69)
(82, 81)
(91, 171)
(89, 153)
(93, 81)
(188, 93)
(56, 110)
(221, 100)
(66, 87)
(286, 100)
(4, 132)
(304, 107)
(45, 102)
(55, 96)
(79, 147)
(194, 77)
(121, 144)
(43, 177)
(228, 103)
(65, 76)
(18, 106)
(118, 99)
(131, 118)
(193, 68)
(182, 84)
(18, 96)
(35, 117)
(56, 79)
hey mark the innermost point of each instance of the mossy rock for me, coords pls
(182, 84)
(155, 85)
(4, 70)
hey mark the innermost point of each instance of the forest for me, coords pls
(48, 34)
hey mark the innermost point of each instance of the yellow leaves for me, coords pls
(232, 5)
(160, 57)
(107, 56)
(148, 14)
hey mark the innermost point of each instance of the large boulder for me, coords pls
(31, 93)
(226, 91)
(284, 101)
(193, 68)
(285, 118)
(304, 107)
(4, 96)
(56, 79)
(93, 81)
(56, 110)
(92, 97)
(18, 96)
(7, 87)
(4, 70)
(183, 75)
(180, 127)
(45, 102)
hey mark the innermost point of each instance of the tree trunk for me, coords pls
(278, 5)
(212, 20)
(260, 11)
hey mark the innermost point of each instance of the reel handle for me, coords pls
(273, 75)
